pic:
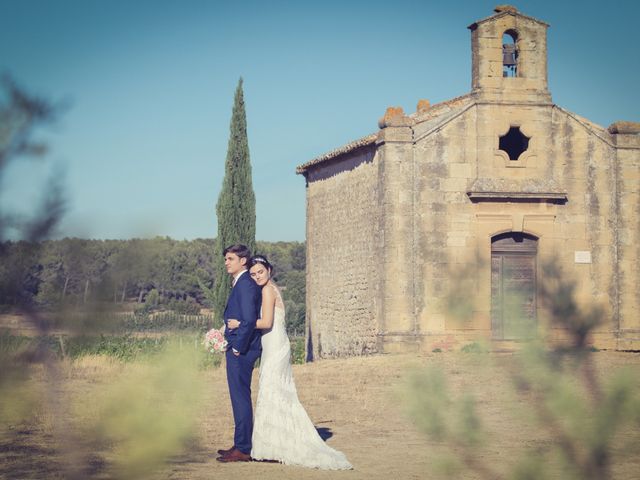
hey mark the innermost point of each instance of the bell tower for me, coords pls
(509, 57)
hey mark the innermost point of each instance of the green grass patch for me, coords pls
(125, 347)
(297, 350)
(474, 347)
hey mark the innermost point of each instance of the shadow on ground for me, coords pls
(20, 458)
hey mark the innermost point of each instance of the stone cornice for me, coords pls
(476, 196)
(445, 119)
(596, 130)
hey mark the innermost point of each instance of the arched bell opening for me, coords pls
(509, 54)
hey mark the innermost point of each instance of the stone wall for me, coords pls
(628, 237)
(342, 260)
(399, 232)
(583, 159)
(445, 226)
(399, 250)
(566, 155)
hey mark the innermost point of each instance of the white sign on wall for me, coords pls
(581, 256)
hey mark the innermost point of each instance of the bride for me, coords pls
(282, 429)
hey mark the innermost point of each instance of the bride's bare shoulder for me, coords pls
(269, 294)
(276, 290)
(278, 295)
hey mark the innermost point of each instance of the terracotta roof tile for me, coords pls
(361, 142)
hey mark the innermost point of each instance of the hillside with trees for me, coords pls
(140, 275)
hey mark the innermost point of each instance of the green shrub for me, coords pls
(297, 350)
(11, 343)
(184, 307)
(143, 309)
(152, 298)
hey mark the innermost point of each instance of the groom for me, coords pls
(243, 349)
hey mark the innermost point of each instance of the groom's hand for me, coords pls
(235, 352)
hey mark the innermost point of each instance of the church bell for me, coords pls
(509, 54)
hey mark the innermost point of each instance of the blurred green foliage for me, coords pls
(125, 348)
(124, 428)
(580, 412)
(145, 416)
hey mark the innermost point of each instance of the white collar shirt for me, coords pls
(235, 279)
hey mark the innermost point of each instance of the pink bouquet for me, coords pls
(214, 341)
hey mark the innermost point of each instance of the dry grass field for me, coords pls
(359, 401)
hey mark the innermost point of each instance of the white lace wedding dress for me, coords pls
(282, 429)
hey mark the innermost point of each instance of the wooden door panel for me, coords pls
(496, 296)
(513, 295)
(518, 299)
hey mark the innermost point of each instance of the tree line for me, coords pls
(135, 274)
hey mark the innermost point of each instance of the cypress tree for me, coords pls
(236, 207)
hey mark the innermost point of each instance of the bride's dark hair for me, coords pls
(262, 260)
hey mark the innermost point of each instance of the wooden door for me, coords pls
(513, 286)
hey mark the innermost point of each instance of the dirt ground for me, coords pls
(361, 403)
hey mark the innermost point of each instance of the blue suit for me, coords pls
(243, 305)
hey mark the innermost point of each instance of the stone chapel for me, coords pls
(471, 199)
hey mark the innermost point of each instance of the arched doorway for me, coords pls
(513, 285)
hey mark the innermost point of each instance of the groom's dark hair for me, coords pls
(241, 251)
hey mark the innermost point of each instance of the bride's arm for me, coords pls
(268, 307)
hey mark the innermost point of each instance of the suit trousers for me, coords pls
(239, 372)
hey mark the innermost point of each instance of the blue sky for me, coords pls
(149, 87)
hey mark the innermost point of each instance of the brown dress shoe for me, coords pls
(226, 452)
(235, 456)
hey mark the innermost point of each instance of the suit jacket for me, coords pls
(244, 305)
